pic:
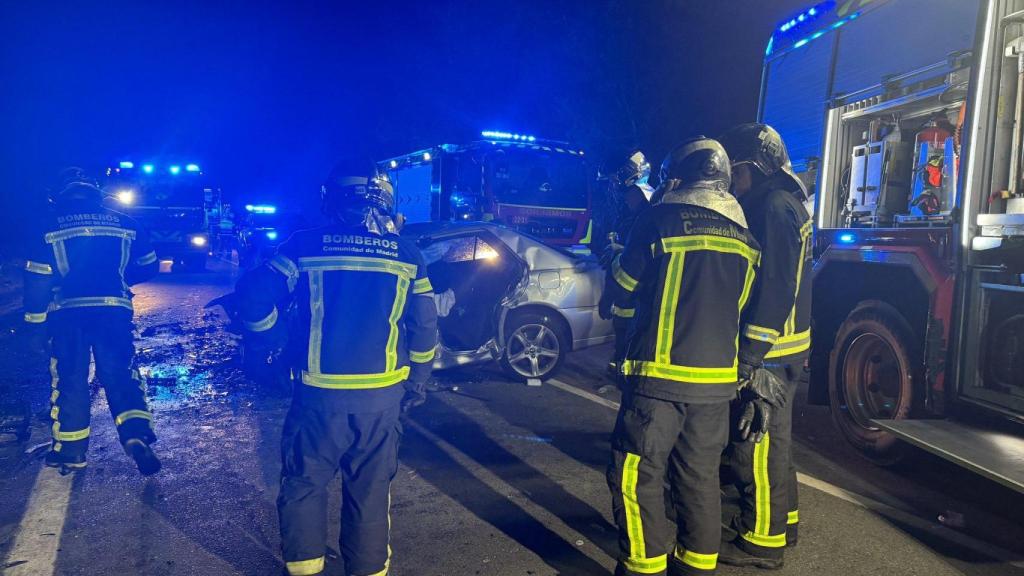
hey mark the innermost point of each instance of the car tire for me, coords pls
(536, 344)
(872, 373)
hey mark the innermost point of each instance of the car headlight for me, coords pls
(126, 197)
(199, 241)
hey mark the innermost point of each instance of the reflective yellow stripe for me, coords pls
(712, 243)
(391, 354)
(38, 267)
(793, 517)
(305, 567)
(35, 317)
(697, 560)
(623, 312)
(789, 345)
(422, 286)
(688, 374)
(91, 301)
(80, 231)
(129, 414)
(359, 264)
(776, 541)
(627, 282)
(587, 238)
(72, 436)
(285, 266)
(421, 357)
(647, 565)
(634, 524)
(669, 304)
(762, 488)
(264, 324)
(760, 333)
(316, 322)
(60, 255)
(355, 381)
(147, 259)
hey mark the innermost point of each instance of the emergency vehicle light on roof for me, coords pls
(810, 14)
(498, 135)
(805, 41)
(192, 167)
(261, 208)
(147, 168)
(126, 164)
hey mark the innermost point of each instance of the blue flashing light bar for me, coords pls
(192, 167)
(125, 164)
(147, 168)
(175, 169)
(498, 135)
(805, 41)
(846, 238)
(261, 208)
(271, 234)
(807, 16)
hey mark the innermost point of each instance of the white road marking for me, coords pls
(880, 508)
(38, 536)
(521, 499)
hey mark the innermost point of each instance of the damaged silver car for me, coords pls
(502, 295)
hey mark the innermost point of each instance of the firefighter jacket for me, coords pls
(364, 310)
(85, 256)
(690, 269)
(777, 323)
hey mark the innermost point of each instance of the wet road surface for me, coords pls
(496, 478)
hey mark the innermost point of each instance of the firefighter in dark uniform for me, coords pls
(366, 323)
(628, 194)
(776, 333)
(77, 280)
(688, 265)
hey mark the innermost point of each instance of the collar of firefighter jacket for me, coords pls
(714, 199)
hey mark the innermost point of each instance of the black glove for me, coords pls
(744, 373)
(415, 395)
(761, 394)
(755, 417)
(612, 250)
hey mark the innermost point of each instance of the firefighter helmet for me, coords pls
(697, 161)
(358, 192)
(761, 146)
(73, 183)
(634, 170)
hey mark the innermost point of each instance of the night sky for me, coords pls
(266, 95)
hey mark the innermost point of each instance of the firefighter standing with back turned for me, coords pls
(688, 265)
(776, 332)
(76, 291)
(368, 326)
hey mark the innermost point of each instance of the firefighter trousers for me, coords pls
(318, 440)
(654, 440)
(107, 334)
(765, 478)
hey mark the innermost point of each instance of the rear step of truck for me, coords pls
(996, 455)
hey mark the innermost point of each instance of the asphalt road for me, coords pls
(496, 478)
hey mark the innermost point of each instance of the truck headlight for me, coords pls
(126, 197)
(199, 241)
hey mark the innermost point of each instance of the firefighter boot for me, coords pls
(67, 464)
(143, 455)
(731, 554)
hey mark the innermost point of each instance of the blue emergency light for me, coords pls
(125, 164)
(499, 135)
(804, 17)
(847, 238)
(147, 168)
(175, 169)
(261, 208)
(271, 234)
(192, 167)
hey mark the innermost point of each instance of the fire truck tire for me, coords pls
(535, 345)
(872, 373)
